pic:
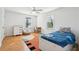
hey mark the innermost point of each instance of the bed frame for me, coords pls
(45, 45)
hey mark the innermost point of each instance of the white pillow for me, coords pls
(65, 29)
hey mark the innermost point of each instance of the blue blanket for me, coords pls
(60, 38)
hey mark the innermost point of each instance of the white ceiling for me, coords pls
(28, 10)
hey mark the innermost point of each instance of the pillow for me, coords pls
(65, 29)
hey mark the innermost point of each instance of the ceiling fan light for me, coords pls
(33, 12)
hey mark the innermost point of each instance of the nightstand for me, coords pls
(38, 30)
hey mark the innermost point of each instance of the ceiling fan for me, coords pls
(36, 10)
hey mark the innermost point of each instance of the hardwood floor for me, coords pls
(15, 43)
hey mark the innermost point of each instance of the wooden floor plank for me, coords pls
(15, 43)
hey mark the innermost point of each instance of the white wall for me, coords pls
(63, 17)
(1, 25)
(14, 18)
(42, 20)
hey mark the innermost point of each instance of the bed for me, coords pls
(57, 41)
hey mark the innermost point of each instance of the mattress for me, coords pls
(60, 38)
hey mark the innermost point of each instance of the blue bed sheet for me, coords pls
(60, 38)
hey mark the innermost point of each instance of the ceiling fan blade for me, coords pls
(35, 9)
(39, 10)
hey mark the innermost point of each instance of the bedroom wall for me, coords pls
(63, 17)
(42, 20)
(1, 25)
(14, 18)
